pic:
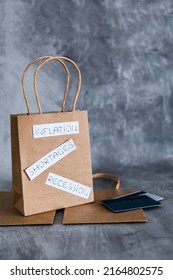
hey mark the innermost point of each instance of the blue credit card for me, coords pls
(138, 193)
(130, 202)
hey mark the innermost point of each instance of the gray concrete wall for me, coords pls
(125, 52)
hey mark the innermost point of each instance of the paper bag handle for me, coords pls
(24, 74)
(65, 94)
(109, 177)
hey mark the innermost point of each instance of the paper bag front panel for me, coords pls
(34, 196)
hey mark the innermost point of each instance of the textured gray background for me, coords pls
(125, 52)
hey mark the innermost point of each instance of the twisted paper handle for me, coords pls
(60, 58)
(109, 177)
(24, 74)
(48, 58)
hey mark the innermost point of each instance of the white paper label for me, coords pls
(68, 185)
(55, 129)
(49, 159)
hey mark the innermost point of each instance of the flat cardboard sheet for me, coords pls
(9, 216)
(96, 213)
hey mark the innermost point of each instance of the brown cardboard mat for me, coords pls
(96, 213)
(9, 216)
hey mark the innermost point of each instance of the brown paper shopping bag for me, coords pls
(96, 213)
(51, 161)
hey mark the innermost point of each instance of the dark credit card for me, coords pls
(130, 203)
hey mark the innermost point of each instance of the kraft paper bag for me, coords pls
(96, 213)
(51, 160)
(9, 216)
